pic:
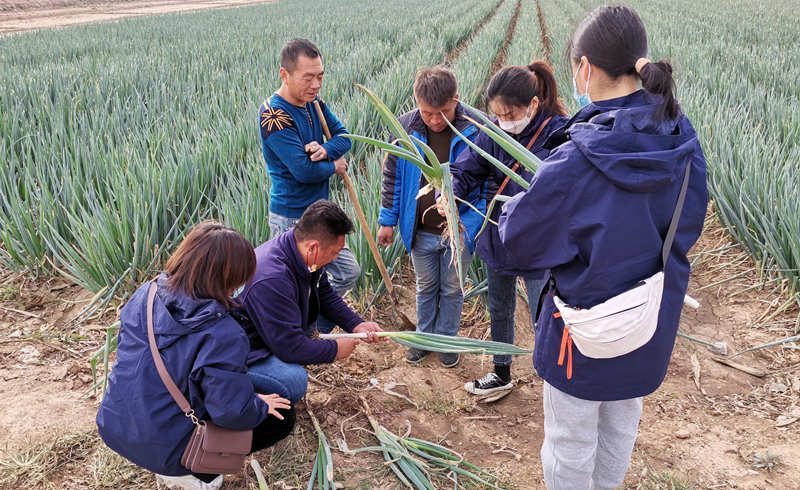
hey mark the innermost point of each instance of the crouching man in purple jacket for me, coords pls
(286, 295)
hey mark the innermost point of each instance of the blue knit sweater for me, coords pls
(296, 181)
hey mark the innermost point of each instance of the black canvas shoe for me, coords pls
(449, 360)
(414, 356)
(488, 384)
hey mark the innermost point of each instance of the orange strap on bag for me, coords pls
(566, 348)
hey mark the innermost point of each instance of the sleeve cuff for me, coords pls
(387, 217)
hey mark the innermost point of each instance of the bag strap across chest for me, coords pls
(527, 147)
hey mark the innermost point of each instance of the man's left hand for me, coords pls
(369, 328)
(316, 152)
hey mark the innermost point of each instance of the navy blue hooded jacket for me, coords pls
(204, 350)
(283, 301)
(471, 171)
(596, 215)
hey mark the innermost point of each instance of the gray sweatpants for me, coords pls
(587, 444)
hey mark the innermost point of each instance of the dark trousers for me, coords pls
(266, 434)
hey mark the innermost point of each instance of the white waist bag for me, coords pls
(624, 322)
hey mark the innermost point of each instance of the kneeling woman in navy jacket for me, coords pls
(597, 215)
(204, 351)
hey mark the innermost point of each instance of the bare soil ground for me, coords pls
(708, 426)
(17, 16)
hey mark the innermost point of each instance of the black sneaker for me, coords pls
(416, 355)
(488, 384)
(449, 360)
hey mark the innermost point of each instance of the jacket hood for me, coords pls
(621, 138)
(188, 314)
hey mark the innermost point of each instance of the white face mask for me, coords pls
(518, 126)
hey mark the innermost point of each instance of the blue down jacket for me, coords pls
(596, 215)
(204, 350)
(401, 180)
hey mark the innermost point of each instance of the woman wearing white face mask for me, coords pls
(525, 101)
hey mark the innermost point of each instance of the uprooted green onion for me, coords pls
(440, 343)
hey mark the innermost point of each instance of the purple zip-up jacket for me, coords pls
(283, 301)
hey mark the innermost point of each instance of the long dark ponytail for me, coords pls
(518, 85)
(614, 38)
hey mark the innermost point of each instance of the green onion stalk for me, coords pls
(440, 343)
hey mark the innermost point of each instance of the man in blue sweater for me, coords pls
(299, 164)
(285, 296)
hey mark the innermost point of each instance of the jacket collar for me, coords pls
(295, 261)
(561, 135)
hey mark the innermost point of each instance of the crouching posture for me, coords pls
(204, 352)
(288, 292)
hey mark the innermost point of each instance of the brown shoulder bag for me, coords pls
(211, 449)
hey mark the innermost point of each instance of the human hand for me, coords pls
(316, 152)
(369, 328)
(275, 401)
(385, 235)
(341, 166)
(345, 347)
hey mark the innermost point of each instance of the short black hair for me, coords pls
(435, 85)
(296, 47)
(324, 221)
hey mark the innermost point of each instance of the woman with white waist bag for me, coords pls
(612, 212)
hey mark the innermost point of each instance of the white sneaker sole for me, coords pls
(187, 482)
(470, 387)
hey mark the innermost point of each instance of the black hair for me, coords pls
(518, 85)
(435, 85)
(325, 221)
(296, 47)
(613, 38)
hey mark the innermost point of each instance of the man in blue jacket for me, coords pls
(287, 293)
(299, 164)
(439, 297)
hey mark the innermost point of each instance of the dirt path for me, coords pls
(707, 426)
(502, 55)
(547, 47)
(453, 55)
(54, 13)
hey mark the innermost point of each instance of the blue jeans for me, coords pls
(271, 375)
(503, 303)
(439, 297)
(343, 272)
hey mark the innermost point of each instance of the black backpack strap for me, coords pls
(676, 215)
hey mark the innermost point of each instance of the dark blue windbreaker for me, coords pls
(204, 350)
(596, 214)
(471, 171)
